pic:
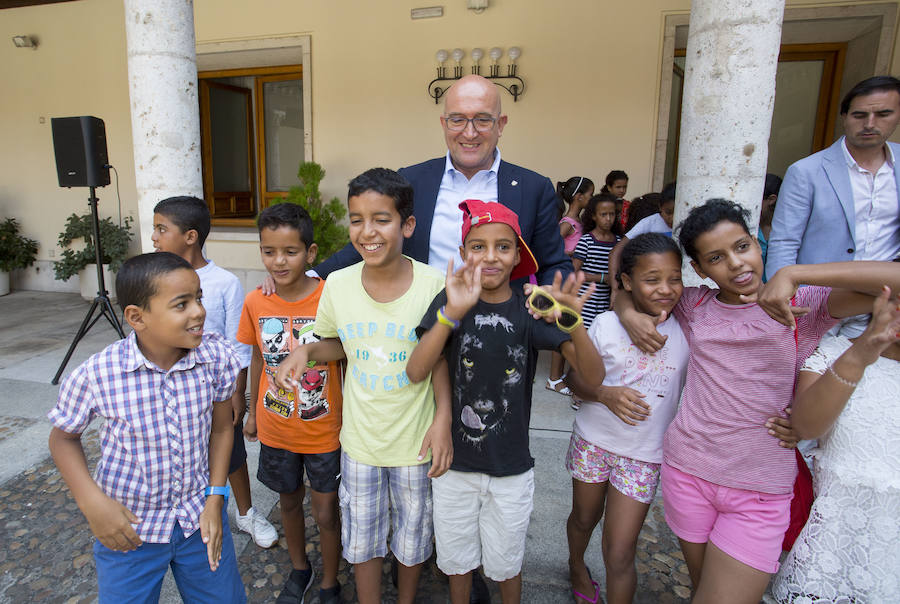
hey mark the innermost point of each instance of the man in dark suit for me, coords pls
(472, 169)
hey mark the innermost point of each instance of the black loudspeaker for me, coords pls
(80, 146)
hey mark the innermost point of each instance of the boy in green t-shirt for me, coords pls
(367, 314)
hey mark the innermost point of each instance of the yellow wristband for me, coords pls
(445, 320)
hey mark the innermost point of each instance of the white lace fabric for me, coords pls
(849, 550)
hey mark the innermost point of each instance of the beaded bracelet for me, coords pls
(845, 382)
(445, 320)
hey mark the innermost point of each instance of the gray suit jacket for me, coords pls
(815, 219)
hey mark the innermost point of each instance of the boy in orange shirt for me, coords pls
(301, 428)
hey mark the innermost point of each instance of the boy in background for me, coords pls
(164, 392)
(367, 315)
(180, 226)
(483, 505)
(297, 428)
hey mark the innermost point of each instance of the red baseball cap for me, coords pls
(477, 212)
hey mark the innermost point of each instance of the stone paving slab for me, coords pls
(47, 553)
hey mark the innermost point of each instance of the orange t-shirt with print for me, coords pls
(307, 420)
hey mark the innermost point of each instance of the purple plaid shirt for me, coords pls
(155, 441)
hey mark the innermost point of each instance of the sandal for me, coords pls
(554, 386)
(576, 402)
(584, 597)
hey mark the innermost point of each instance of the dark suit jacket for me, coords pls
(527, 193)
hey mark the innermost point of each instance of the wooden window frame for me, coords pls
(256, 142)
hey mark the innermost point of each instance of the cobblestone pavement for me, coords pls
(46, 556)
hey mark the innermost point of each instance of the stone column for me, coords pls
(165, 120)
(729, 93)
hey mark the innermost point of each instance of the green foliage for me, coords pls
(16, 251)
(115, 241)
(328, 232)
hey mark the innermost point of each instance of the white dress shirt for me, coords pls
(446, 226)
(877, 208)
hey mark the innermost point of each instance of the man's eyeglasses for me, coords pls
(543, 304)
(458, 123)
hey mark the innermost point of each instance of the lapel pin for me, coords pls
(514, 183)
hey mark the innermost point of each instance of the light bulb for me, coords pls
(441, 56)
(495, 53)
(457, 54)
(514, 53)
(477, 54)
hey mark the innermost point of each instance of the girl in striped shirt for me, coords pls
(726, 482)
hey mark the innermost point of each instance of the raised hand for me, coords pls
(883, 329)
(463, 289)
(567, 291)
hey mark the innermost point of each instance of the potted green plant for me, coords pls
(16, 251)
(330, 234)
(114, 238)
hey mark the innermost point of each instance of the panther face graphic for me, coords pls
(485, 399)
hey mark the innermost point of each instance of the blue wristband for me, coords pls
(224, 491)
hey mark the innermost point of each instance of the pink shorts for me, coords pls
(749, 526)
(593, 465)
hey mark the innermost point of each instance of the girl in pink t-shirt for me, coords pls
(727, 484)
(575, 194)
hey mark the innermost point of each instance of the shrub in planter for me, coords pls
(115, 240)
(329, 234)
(16, 251)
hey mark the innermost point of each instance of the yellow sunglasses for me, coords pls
(543, 304)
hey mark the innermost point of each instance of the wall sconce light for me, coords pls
(25, 42)
(510, 81)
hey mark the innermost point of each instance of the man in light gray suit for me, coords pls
(842, 202)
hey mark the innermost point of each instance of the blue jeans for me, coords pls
(137, 576)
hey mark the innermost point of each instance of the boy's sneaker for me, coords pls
(296, 586)
(262, 531)
(332, 595)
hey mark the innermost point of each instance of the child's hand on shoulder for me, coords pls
(463, 289)
(642, 330)
(110, 522)
(267, 287)
(626, 403)
(782, 429)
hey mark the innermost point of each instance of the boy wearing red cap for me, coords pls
(480, 324)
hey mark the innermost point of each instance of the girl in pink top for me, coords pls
(575, 193)
(726, 483)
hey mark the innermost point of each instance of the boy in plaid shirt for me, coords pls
(164, 392)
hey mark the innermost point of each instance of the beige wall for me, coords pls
(592, 72)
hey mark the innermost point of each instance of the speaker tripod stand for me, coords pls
(101, 302)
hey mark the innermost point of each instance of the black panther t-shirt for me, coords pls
(491, 357)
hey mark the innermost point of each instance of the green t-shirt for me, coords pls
(385, 416)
